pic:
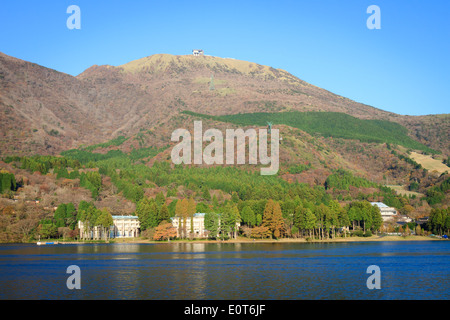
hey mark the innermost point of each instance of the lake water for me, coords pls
(247, 271)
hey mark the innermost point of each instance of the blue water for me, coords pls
(256, 271)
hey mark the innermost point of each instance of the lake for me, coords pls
(232, 271)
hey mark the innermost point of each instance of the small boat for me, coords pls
(39, 243)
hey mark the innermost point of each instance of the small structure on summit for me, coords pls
(197, 52)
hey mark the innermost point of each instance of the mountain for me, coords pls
(104, 137)
(45, 111)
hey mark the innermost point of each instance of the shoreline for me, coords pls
(246, 240)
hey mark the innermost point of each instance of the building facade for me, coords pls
(123, 227)
(198, 229)
(387, 213)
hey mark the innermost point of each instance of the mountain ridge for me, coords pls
(47, 111)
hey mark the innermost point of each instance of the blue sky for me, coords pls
(404, 67)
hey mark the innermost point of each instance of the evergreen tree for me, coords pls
(206, 194)
(163, 214)
(248, 216)
(273, 218)
(60, 216)
(212, 224)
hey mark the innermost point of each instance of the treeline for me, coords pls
(328, 124)
(265, 218)
(90, 180)
(63, 223)
(85, 156)
(43, 164)
(436, 194)
(342, 180)
(7, 182)
(294, 218)
(416, 165)
(439, 221)
(303, 218)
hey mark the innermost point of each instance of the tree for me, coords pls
(181, 211)
(48, 230)
(60, 215)
(191, 208)
(322, 212)
(143, 212)
(235, 220)
(260, 232)
(278, 227)
(104, 222)
(273, 218)
(206, 194)
(418, 230)
(228, 220)
(309, 221)
(7, 181)
(163, 214)
(212, 224)
(160, 199)
(248, 216)
(165, 231)
(377, 220)
(344, 220)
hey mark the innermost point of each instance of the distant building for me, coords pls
(199, 230)
(123, 227)
(199, 225)
(387, 213)
(422, 220)
(197, 52)
(402, 219)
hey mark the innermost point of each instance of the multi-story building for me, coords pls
(387, 213)
(198, 229)
(123, 227)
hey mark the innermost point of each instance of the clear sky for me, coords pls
(404, 67)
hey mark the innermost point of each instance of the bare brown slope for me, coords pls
(45, 111)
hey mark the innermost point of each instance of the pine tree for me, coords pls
(273, 218)
(206, 194)
(163, 214)
(278, 228)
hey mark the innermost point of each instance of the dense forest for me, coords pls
(263, 206)
(328, 124)
(237, 201)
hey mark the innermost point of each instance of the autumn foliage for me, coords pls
(165, 231)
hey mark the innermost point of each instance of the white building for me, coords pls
(199, 230)
(387, 213)
(123, 227)
(198, 225)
